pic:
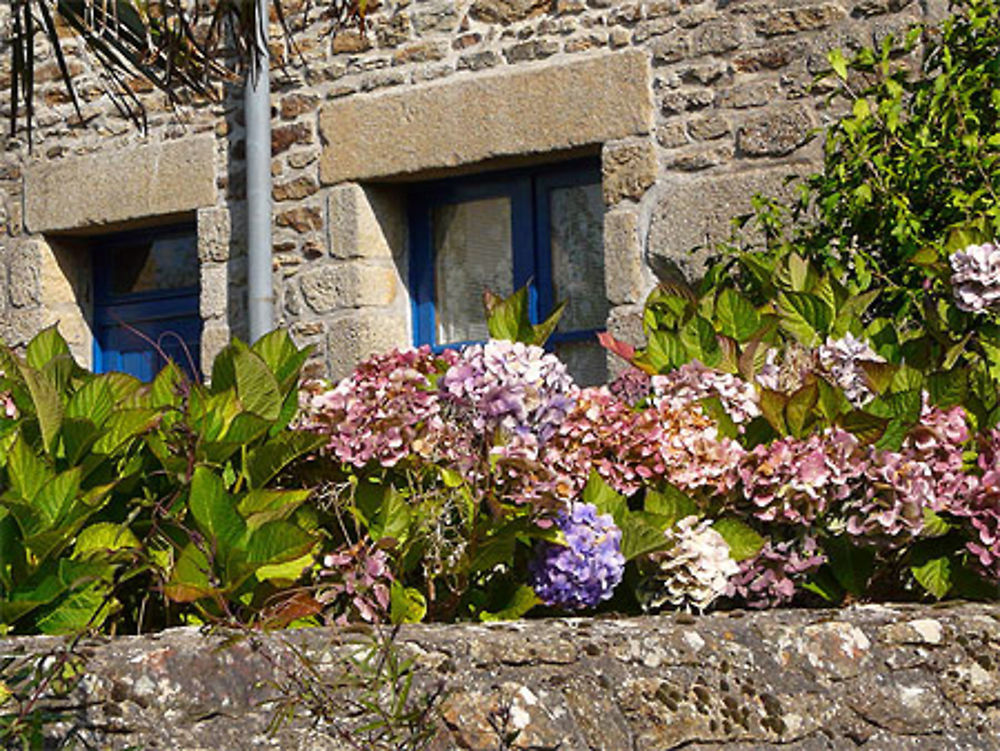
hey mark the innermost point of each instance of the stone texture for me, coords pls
(348, 284)
(356, 334)
(23, 270)
(627, 170)
(495, 114)
(692, 212)
(365, 222)
(214, 234)
(146, 181)
(776, 133)
(623, 266)
(728, 682)
(506, 11)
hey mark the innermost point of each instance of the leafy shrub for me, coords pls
(115, 492)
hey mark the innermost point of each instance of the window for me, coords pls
(499, 232)
(146, 301)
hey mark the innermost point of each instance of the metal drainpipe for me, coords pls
(257, 109)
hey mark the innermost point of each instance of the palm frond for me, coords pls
(174, 45)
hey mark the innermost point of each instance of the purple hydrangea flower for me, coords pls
(584, 571)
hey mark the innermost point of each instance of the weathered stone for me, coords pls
(628, 168)
(295, 190)
(694, 212)
(708, 128)
(214, 234)
(350, 40)
(699, 158)
(747, 95)
(805, 18)
(495, 114)
(347, 285)
(478, 60)
(214, 294)
(672, 134)
(670, 49)
(150, 180)
(536, 49)
(296, 105)
(23, 269)
(421, 52)
(285, 136)
(506, 11)
(716, 37)
(673, 102)
(365, 223)
(357, 334)
(302, 219)
(623, 267)
(776, 133)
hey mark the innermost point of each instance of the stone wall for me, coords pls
(693, 107)
(882, 678)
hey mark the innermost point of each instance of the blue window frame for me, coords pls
(146, 301)
(502, 231)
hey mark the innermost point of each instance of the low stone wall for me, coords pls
(872, 677)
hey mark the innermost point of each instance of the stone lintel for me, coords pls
(155, 179)
(556, 106)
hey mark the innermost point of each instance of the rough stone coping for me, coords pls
(875, 677)
(154, 179)
(556, 106)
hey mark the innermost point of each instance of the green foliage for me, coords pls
(113, 489)
(510, 318)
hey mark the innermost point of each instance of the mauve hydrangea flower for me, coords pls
(517, 387)
(692, 382)
(841, 361)
(926, 473)
(584, 571)
(795, 481)
(770, 578)
(981, 508)
(628, 448)
(631, 386)
(384, 411)
(975, 277)
(787, 369)
(692, 572)
(355, 583)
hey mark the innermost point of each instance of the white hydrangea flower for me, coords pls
(693, 382)
(693, 571)
(841, 359)
(975, 277)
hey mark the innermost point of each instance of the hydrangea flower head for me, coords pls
(975, 277)
(769, 578)
(517, 387)
(693, 571)
(584, 571)
(841, 360)
(692, 382)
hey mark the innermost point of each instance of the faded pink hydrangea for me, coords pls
(628, 448)
(982, 508)
(926, 473)
(354, 583)
(385, 410)
(975, 277)
(772, 577)
(787, 369)
(687, 385)
(796, 480)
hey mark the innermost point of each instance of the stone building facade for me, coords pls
(684, 108)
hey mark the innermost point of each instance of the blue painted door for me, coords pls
(146, 302)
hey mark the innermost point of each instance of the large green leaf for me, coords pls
(267, 460)
(215, 510)
(852, 565)
(669, 503)
(643, 533)
(804, 316)
(258, 507)
(48, 406)
(277, 542)
(122, 426)
(256, 386)
(605, 498)
(281, 355)
(736, 316)
(46, 346)
(744, 542)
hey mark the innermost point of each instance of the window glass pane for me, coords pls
(148, 265)
(577, 232)
(472, 253)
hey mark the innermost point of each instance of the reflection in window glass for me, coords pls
(472, 253)
(577, 241)
(576, 233)
(152, 264)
